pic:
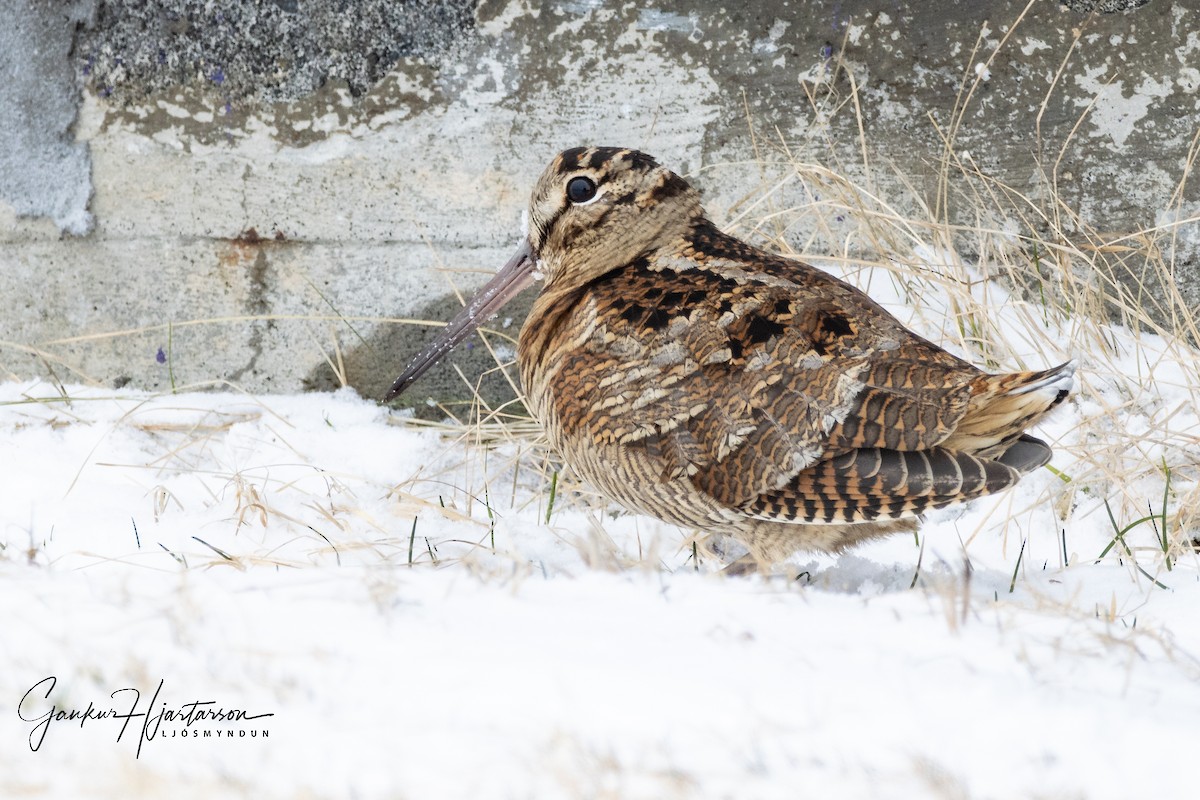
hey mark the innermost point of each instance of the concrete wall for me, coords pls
(190, 193)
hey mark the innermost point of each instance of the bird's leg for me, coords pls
(741, 567)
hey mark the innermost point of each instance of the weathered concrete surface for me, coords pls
(269, 186)
(43, 171)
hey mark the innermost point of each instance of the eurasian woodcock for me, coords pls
(693, 377)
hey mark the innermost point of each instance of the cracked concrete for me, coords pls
(379, 158)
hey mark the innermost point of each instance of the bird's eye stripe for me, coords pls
(628, 197)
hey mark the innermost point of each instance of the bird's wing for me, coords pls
(742, 380)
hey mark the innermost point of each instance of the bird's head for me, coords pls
(594, 209)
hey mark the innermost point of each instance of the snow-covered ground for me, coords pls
(420, 620)
(259, 552)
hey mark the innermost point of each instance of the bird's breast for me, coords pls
(547, 341)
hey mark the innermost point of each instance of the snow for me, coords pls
(260, 552)
(542, 669)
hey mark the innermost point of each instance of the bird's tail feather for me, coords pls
(1003, 406)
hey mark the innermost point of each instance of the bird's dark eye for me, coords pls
(580, 190)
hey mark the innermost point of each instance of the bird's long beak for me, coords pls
(513, 277)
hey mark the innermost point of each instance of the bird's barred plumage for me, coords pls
(694, 377)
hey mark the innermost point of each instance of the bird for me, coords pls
(696, 378)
